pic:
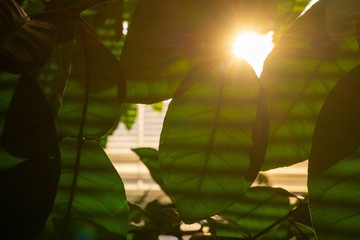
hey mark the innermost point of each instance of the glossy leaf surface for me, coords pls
(91, 198)
(207, 136)
(298, 75)
(94, 90)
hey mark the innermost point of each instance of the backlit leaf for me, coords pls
(334, 198)
(91, 198)
(94, 90)
(300, 72)
(334, 169)
(106, 20)
(257, 210)
(167, 38)
(150, 157)
(207, 136)
(128, 114)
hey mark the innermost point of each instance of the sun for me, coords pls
(253, 48)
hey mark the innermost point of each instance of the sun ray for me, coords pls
(253, 48)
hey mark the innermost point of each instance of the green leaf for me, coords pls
(25, 44)
(162, 45)
(298, 75)
(302, 231)
(29, 129)
(258, 209)
(207, 136)
(334, 199)
(285, 13)
(158, 107)
(8, 84)
(91, 199)
(128, 114)
(150, 157)
(334, 170)
(106, 20)
(94, 90)
(53, 75)
(336, 134)
(27, 194)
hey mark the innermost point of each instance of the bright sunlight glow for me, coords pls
(253, 48)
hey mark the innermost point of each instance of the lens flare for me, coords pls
(253, 48)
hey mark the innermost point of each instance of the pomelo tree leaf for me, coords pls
(308, 60)
(150, 157)
(128, 114)
(91, 198)
(25, 43)
(207, 137)
(334, 199)
(334, 170)
(29, 128)
(257, 210)
(8, 84)
(28, 184)
(337, 132)
(107, 21)
(94, 90)
(27, 194)
(167, 38)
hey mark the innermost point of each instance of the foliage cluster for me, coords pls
(66, 71)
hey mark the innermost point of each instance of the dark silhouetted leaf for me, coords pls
(25, 44)
(8, 83)
(298, 75)
(91, 198)
(207, 137)
(257, 210)
(337, 129)
(27, 194)
(94, 91)
(334, 198)
(29, 130)
(334, 170)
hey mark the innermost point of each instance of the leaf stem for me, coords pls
(80, 139)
